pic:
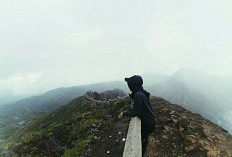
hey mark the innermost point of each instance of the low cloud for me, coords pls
(46, 44)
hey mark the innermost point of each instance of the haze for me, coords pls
(45, 44)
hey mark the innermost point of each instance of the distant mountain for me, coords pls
(208, 95)
(151, 79)
(9, 98)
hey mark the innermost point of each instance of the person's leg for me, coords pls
(145, 135)
(145, 131)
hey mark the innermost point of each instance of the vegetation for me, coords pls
(118, 107)
(65, 132)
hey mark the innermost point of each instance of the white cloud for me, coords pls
(22, 84)
(46, 44)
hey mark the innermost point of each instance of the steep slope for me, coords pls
(180, 132)
(67, 131)
(27, 109)
(86, 128)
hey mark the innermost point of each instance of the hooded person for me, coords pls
(141, 108)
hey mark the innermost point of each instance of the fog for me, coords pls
(207, 95)
(45, 44)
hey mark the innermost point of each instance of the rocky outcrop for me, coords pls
(180, 132)
(106, 95)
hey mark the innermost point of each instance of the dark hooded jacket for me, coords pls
(141, 107)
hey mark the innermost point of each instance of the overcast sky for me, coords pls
(46, 44)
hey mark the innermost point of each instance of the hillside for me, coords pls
(83, 128)
(30, 108)
(180, 132)
(66, 131)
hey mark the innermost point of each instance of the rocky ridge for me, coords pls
(180, 132)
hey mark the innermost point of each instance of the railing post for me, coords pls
(133, 145)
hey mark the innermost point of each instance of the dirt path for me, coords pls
(109, 142)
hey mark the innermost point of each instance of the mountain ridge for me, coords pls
(178, 132)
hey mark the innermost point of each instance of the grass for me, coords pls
(119, 106)
(65, 132)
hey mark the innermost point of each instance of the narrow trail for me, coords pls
(105, 107)
(109, 142)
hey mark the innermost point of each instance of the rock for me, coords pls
(183, 117)
(173, 144)
(213, 153)
(167, 128)
(225, 153)
(181, 129)
(190, 138)
(175, 120)
(206, 132)
(174, 138)
(219, 136)
(173, 112)
(164, 137)
(165, 109)
(173, 117)
(124, 139)
(189, 148)
(193, 125)
(108, 152)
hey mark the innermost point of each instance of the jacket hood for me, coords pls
(136, 79)
(135, 84)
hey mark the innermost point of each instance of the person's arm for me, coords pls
(129, 112)
(136, 110)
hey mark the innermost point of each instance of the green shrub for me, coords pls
(64, 132)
